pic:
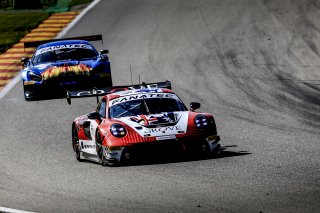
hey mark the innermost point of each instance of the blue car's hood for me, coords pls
(54, 69)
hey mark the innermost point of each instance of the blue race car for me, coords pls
(64, 64)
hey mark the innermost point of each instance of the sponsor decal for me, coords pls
(142, 96)
(145, 120)
(87, 146)
(89, 92)
(163, 129)
(105, 74)
(55, 71)
(168, 117)
(166, 137)
(157, 130)
(146, 88)
(138, 120)
(65, 46)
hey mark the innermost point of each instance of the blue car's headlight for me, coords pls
(118, 130)
(201, 121)
(34, 77)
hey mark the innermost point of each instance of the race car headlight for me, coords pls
(34, 77)
(117, 130)
(201, 121)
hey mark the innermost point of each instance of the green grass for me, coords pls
(14, 26)
(77, 2)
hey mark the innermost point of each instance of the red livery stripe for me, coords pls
(9, 64)
(6, 77)
(9, 70)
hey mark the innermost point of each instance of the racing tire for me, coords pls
(217, 151)
(100, 153)
(205, 151)
(126, 157)
(99, 148)
(25, 95)
(111, 163)
(75, 144)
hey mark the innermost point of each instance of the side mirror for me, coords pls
(94, 116)
(102, 52)
(194, 106)
(25, 61)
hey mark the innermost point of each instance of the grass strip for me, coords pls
(15, 25)
(78, 2)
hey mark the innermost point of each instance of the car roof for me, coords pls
(64, 42)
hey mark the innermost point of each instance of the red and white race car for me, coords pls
(134, 120)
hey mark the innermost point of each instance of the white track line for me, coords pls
(10, 85)
(8, 210)
(77, 19)
(14, 81)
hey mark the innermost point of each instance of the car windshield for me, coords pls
(146, 107)
(64, 54)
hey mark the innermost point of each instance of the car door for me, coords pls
(94, 123)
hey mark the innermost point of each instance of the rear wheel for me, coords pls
(75, 144)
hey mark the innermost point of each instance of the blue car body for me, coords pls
(65, 65)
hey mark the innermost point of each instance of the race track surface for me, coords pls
(254, 64)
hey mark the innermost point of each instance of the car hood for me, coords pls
(49, 70)
(169, 123)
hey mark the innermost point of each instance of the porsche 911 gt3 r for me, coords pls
(133, 121)
(65, 64)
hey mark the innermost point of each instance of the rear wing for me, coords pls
(86, 38)
(96, 92)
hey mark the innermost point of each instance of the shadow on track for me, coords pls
(48, 96)
(179, 158)
(176, 157)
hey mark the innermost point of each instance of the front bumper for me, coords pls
(213, 142)
(162, 148)
(59, 86)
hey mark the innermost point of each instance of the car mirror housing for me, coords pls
(102, 52)
(194, 106)
(25, 61)
(94, 116)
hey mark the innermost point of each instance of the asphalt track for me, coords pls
(253, 64)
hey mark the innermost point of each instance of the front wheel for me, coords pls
(99, 148)
(205, 150)
(217, 151)
(75, 144)
(26, 94)
(100, 152)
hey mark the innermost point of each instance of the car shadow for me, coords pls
(160, 158)
(48, 97)
(180, 158)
